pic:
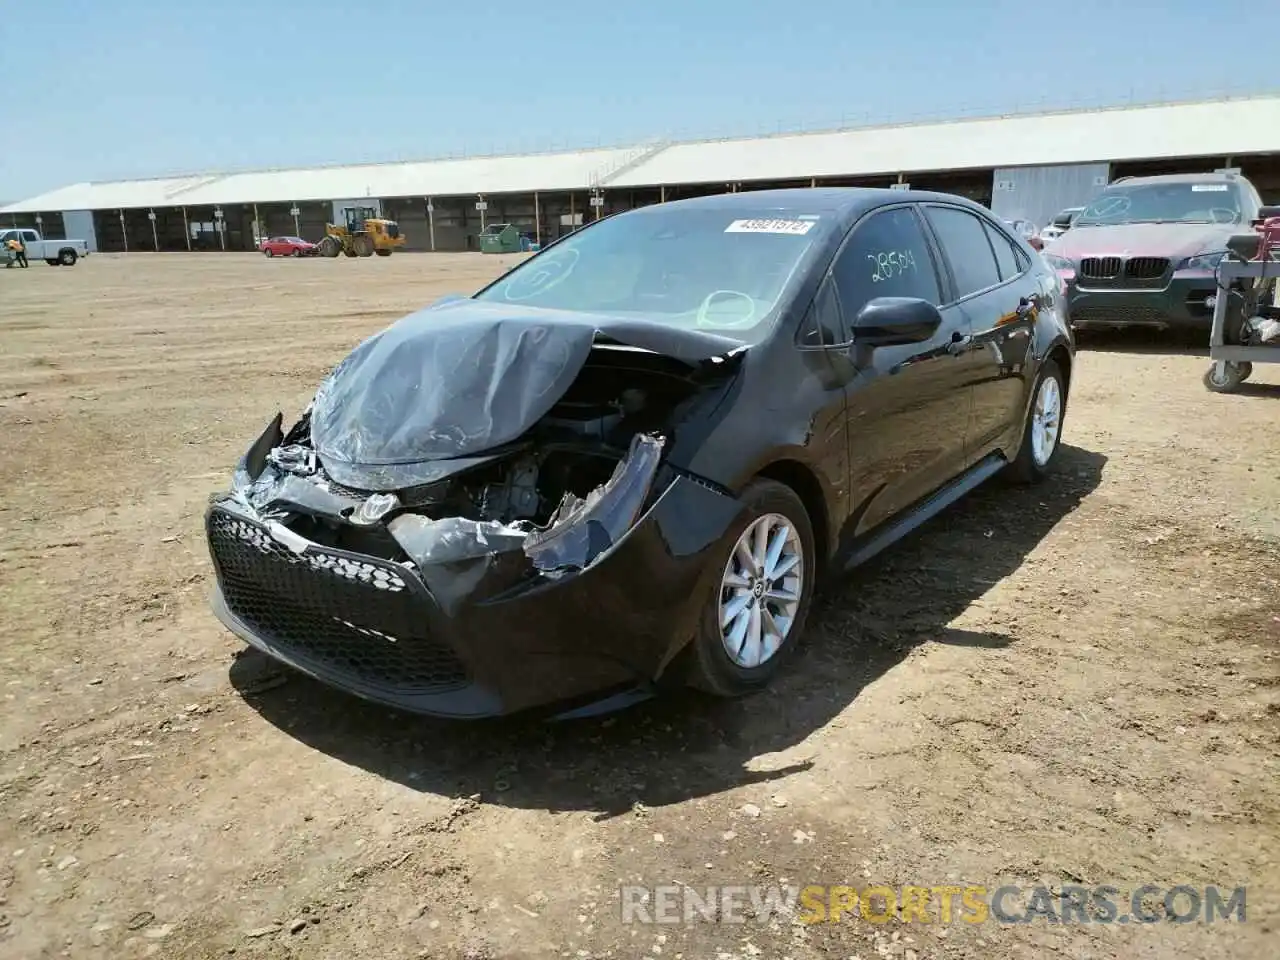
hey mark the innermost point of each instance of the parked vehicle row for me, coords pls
(1028, 231)
(1060, 224)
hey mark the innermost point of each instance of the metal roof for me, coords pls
(1232, 127)
(429, 178)
(106, 196)
(432, 178)
(1222, 128)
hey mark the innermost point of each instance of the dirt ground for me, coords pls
(1078, 683)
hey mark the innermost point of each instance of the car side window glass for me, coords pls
(964, 241)
(1006, 255)
(886, 256)
(821, 327)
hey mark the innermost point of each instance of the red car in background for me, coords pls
(288, 247)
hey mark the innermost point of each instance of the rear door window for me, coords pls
(967, 249)
(1007, 259)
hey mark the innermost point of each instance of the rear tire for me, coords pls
(710, 665)
(363, 245)
(1037, 452)
(67, 257)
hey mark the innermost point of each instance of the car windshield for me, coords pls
(1163, 203)
(720, 269)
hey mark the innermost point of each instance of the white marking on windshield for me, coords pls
(793, 227)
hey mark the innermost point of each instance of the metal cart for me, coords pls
(1233, 363)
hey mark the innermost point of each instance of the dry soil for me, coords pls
(1077, 683)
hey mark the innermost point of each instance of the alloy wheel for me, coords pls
(760, 591)
(1046, 420)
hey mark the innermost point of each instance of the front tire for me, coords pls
(756, 612)
(1042, 433)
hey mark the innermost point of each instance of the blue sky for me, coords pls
(131, 88)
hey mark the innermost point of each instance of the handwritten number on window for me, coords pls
(887, 264)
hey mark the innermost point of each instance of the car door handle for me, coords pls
(960, 342)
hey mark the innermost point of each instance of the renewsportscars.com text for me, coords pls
(947, 903)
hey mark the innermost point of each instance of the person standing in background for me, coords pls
(17, 252)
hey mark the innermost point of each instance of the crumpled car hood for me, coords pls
(1173, 240)
(429, 395)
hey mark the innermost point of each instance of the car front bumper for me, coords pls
(479, 637)
(1183, 304)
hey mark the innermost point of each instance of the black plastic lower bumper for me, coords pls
(478, 637)
(1182, 304)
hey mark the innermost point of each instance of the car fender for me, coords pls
(1050, 334)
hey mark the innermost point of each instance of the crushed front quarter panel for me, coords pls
(522, 639)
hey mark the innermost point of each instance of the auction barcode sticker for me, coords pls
(1208, 188)
(796, 227)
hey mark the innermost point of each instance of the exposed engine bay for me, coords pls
(563, 491)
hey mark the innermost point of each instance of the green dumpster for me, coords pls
(500, 238)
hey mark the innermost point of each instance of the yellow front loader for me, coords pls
(361, 234)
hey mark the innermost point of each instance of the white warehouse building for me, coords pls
(1022, 166)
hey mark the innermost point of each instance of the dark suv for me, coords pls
(1145, 251)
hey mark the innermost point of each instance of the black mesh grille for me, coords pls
(1119, 313)
(344, 490)
(357, 618)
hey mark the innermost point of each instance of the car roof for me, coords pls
(841, 200)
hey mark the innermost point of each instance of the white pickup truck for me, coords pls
(56, 253)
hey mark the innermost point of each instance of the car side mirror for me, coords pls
(893, 321)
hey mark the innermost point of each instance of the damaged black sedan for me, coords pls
(629, 461)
